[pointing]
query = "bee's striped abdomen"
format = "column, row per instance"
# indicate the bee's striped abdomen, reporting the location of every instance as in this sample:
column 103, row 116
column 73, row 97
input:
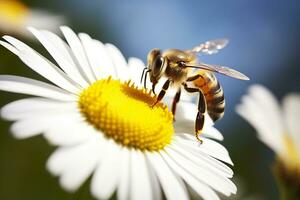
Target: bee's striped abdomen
column 213, row 93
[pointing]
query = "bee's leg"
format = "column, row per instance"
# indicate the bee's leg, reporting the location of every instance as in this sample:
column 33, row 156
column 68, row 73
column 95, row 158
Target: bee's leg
column 200, row 115
column 192, row 78
column 175, row 101
column 201, row 110
column 162, row 92
column 145, row 78
column 143, row 74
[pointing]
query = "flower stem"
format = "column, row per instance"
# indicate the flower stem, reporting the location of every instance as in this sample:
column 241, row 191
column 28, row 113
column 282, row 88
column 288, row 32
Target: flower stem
column 288, row 181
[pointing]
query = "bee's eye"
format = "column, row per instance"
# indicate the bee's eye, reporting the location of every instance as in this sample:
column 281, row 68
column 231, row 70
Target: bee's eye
column 157, row 65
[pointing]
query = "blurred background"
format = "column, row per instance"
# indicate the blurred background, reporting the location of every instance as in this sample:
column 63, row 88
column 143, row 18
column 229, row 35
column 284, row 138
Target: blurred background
column 264, row 44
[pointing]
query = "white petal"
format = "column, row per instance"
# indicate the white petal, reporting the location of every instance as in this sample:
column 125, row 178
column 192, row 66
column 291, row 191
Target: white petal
column 119, row 62
column 216, row 150
column 105, row 179
column 218, row 182
column 203, row 156
column 156, row 187
column 26, row 108
column 140, row 180
column 25, row 129
column 33, row 87
column 202, row 159
column 185, row 97
column 92, row 55
column 268, row 104
column 186, row 111
column 77, row 175
column 172, row 186
column 70, row 133
column 185, row 116
column 208, row 146
column 123, row 189
column 9, row 47
column 60, row 52
column 291, row 107
column 258, row 117
column 186, row 126
column 104, row 61
column 208, row 123
column 74, row 164
column 40, row 123
column 212, row 132
column 65, row 157
column 136, row 67
column 203, row 190
column 42, row 66
column 78, row 52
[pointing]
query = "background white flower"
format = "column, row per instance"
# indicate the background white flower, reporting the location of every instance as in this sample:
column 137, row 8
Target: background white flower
column 84, row 150
column 277, row 126
column 15, row 17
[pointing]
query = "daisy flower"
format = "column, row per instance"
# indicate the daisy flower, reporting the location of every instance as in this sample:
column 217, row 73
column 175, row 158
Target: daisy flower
column 15, row 17
column 100, row 118
column 277, row 127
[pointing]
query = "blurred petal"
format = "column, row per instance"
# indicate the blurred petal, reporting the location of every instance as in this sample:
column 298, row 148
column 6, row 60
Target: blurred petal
column 291, row 108
column 266, row 119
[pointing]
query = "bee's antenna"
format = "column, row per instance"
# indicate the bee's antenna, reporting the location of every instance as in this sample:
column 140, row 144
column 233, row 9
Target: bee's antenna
column 143, row 74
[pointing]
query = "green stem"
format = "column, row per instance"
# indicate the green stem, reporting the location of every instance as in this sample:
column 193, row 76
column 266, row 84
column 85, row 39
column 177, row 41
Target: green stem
column 288, row 181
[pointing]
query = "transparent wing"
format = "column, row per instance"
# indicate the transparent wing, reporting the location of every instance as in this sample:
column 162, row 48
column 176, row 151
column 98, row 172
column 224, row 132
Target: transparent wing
column 211, row 46
column 222, row 70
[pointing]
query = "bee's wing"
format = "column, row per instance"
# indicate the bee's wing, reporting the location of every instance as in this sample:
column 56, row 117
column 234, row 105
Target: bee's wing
column 210, row 47
column 222, row 70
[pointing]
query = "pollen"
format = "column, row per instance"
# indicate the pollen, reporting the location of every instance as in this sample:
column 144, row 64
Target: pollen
column 124, row 113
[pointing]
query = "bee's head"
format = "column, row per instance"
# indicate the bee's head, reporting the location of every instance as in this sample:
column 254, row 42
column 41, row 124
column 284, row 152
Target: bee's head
column 156, row 65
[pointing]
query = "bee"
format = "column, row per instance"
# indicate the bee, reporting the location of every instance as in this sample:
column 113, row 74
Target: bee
column 176, row 65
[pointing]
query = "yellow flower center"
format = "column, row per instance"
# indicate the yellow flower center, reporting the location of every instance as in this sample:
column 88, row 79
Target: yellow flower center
column 13, row 11
column 123, row 112
column 293, row 159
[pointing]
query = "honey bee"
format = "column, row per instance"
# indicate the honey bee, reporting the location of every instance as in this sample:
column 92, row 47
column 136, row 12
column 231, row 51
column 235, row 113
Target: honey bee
column 176, row 65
